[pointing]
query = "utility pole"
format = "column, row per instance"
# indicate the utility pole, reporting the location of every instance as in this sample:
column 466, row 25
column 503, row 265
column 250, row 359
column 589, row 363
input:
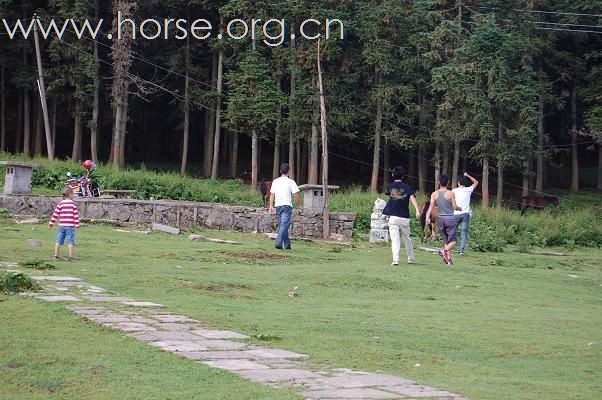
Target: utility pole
column 325, row 212
column 49, row 145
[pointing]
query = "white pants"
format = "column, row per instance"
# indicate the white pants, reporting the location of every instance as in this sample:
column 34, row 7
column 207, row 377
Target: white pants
column 397, row 224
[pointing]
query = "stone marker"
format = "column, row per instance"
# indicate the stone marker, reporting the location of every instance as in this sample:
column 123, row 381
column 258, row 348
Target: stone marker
column 278, row 375
column 57, row 298
column 30, row 221
column 214, row 334
column 142, row 304
column 167, row 229
column 201, row 238
column 350, row 394
column 235, row 365
column 34, row 243
column 56, row 278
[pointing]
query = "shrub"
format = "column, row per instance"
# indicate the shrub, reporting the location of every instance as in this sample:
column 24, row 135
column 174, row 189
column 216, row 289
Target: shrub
column 15, row 282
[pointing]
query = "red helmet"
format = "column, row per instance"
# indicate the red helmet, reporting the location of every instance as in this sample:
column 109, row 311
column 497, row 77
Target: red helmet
column 89, row 165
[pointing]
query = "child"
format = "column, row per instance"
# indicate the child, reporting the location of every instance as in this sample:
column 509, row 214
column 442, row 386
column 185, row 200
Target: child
column 66, row 212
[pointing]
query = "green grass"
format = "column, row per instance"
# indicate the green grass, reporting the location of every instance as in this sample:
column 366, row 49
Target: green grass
column 494, row 326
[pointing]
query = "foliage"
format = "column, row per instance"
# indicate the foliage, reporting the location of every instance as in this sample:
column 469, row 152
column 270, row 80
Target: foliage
column 37, row 264
column 15, row 282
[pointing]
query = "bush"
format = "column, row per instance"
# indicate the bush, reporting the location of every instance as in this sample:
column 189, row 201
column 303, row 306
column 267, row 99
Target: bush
column 15, row 282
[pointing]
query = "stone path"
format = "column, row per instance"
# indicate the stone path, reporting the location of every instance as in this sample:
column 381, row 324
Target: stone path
column 189, row 338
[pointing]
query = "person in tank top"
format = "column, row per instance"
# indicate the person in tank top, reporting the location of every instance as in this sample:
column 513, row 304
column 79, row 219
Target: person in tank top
column 445, row 200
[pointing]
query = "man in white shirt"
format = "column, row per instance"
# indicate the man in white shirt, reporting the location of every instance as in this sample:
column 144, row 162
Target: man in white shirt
column 281, row 204
column 463, row 194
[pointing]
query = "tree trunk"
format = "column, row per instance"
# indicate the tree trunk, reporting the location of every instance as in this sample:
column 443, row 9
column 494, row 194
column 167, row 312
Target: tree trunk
column 276, row 162
column 186, row 111
column 574, row 154
column 485, row 183
column 386, row 164
column 445, row 166
column 38, row 118
column 292, row 125
column 312, row 177
column 2, row 112
column 299, row 160
column 305, row 162
column 116, row 151
column 19, row 135
column 526, row 174
column 500, row 169
column 26, row 123
column 437, row 164
column 121, row 53
column 54, row 123
column 376, row 154
column 456, row 163
column 421, row 168
column 124, row 124
column 96, row 101
column 210, row 124
column 600, row 166
column 76, row 153
column 412, row 168
column 234, row 155
column 540, row 133
column 218, row 111
column 253, row 161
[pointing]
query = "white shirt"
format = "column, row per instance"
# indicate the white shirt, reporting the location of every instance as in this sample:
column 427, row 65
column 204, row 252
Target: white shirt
column 283, row 189
column 463, row 199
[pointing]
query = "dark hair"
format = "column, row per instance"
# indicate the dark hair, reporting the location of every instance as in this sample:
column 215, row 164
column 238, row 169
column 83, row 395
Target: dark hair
column 462, row 180
column 398, row 172
column 284, row 168
column 443, row 180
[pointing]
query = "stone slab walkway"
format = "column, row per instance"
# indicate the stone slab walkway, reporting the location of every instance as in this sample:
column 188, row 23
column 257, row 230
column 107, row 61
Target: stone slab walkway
column 191, row 339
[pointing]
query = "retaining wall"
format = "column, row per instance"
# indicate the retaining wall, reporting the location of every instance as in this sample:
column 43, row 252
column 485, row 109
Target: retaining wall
column 183, row 214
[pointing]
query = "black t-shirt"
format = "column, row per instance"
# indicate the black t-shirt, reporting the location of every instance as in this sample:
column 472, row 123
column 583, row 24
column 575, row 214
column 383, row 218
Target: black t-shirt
column 399, row 199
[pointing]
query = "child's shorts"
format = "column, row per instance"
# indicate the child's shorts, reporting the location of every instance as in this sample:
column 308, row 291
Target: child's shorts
column 68, row 232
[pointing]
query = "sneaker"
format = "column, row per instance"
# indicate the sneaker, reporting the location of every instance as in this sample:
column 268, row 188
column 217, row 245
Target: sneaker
column 56, row 258
column 410, row 261
column 278, row 247
column 395, row 263
column 450, row 261
column 461, row 253
column 72, row 259
column 443, row 255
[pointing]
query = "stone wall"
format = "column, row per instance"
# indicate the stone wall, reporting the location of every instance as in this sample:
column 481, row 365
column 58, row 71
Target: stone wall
column 183, row 214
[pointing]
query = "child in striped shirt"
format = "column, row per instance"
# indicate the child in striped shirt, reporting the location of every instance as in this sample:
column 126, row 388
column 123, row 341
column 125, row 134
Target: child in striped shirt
column 66, row 212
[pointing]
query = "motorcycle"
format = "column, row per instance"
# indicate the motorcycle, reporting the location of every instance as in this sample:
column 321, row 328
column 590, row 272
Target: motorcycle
column 82, row 186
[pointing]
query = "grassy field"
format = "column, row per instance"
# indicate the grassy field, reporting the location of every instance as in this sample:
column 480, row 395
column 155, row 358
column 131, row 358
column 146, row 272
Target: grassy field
column 494, row 326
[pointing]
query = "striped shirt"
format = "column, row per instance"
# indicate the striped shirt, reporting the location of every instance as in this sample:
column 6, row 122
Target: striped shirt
column 66, row 212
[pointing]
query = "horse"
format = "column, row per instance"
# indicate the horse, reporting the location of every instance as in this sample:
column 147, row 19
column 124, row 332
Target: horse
column 264, row 188
column 537, row 202
column 430, row 232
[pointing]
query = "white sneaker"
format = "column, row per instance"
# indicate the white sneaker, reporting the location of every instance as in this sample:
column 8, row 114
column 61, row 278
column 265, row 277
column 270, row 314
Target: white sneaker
column 395, row 263
column 410, row 261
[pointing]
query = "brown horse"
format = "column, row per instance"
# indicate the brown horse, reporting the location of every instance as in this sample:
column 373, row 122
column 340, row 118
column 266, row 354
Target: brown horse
column 537, row 202
column 430, row 232
column 265, row 187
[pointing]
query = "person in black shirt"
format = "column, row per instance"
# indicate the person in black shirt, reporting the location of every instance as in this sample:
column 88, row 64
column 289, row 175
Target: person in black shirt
column 398, row 209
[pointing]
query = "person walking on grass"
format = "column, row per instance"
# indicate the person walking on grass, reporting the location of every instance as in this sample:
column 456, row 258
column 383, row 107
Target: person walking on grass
column 281, row 204
column 66, row 212
column 463, row 193
column 398, row 209
column 448, row 224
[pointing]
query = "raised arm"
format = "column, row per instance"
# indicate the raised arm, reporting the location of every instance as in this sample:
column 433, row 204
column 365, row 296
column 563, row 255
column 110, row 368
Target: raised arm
column 475, row 183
